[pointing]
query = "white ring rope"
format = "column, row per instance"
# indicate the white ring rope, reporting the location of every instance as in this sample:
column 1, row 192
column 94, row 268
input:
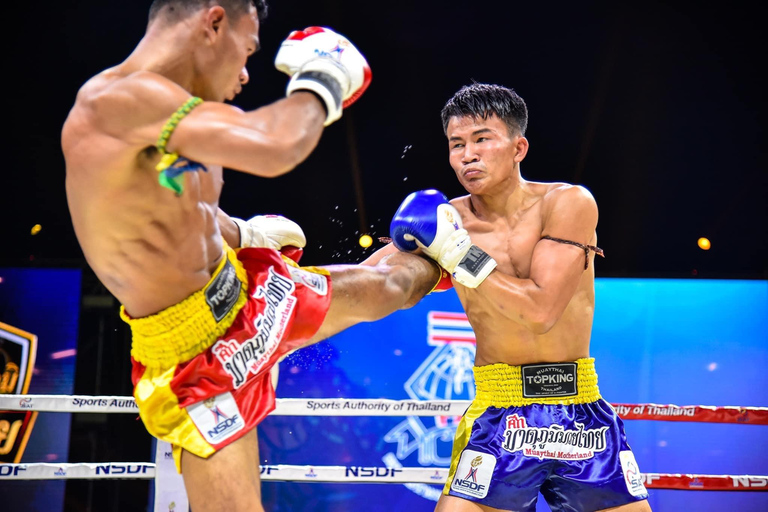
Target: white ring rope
column 348, row 474
column 286, row 473
column 356, row 474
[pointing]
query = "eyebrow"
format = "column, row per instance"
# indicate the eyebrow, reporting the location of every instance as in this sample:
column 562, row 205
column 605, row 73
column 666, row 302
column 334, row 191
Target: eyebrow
column 476, row 132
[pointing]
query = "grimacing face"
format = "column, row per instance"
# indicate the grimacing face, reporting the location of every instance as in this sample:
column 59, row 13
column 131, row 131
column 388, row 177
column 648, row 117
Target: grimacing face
column 482, row 153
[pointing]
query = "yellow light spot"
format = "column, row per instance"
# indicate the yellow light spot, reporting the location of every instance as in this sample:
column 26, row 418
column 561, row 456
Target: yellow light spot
column 704, row 243
column 36, row 229
column 365, row 241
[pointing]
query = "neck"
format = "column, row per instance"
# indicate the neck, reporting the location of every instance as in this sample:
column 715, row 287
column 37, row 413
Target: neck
column 166, row 51
column 505, row 198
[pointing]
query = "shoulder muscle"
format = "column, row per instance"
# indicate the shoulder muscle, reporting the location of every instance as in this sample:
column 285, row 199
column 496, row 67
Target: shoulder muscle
column 569, row 210
column 135, row 107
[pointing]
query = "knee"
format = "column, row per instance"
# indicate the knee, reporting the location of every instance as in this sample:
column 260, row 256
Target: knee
column 397, row 282
column 404, row 282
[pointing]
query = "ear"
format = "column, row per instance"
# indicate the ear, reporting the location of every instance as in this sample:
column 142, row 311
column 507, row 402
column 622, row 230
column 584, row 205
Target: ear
column 521, row 144
column 214, row 19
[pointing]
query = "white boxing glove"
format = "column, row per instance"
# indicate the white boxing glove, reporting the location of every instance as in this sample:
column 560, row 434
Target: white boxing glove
column 270, row 231
column 319, row 60
column 467, row 263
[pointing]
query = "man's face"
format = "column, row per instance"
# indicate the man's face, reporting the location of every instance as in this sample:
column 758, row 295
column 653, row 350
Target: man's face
column 482, row 152
column 237, row 40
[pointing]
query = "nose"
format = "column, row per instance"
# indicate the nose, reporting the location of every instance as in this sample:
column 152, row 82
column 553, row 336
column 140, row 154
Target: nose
column 244, row 76
column 469, row 155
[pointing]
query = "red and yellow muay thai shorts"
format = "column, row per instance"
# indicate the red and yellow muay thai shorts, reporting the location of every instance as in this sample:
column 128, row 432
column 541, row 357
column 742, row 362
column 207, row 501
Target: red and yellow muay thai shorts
column 542, row 428
column 201, row 368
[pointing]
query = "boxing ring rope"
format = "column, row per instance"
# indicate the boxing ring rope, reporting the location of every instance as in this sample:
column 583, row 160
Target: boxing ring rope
column 353, row 474
column 384, row 407
column 369, row 407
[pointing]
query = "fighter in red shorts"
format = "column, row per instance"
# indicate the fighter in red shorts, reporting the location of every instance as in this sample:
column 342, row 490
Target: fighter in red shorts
column 145, row 144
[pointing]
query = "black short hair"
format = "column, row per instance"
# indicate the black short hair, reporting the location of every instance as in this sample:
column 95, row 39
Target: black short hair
column 178, row 9
column 484, row 100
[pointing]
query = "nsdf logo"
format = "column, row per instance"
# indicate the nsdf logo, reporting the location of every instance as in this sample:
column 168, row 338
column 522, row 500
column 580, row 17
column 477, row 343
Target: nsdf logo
column 224, row 427
column 470, row 480
column 124, row 469
column 9, row 470
column 217, row 418
column 750, row 481
column 473, row 474
column 371, row 472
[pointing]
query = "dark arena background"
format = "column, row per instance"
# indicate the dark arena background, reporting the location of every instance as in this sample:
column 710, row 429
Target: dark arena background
column 658, row 108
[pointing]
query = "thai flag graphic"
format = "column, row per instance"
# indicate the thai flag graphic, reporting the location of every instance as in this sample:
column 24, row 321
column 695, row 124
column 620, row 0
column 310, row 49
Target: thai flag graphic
column 446, row 327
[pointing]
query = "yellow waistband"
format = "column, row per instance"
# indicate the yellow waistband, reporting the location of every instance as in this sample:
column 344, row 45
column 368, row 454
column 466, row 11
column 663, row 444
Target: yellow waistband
column 501, row 385
column 184, row 330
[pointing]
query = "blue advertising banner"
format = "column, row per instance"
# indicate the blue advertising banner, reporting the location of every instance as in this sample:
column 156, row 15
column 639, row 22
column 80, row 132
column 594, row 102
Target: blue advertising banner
column 660, row 341
column 43, row 304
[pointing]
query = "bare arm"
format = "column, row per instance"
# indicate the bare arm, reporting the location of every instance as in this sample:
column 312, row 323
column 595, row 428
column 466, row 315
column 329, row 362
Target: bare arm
column 229, row 230
column 377, row 256
column 539, row 301
column 267, row 142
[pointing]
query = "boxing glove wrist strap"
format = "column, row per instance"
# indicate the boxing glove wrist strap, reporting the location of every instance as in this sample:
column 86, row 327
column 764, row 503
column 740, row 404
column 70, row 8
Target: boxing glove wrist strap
column 248, row 236
column 474, row 267
column 318, row 76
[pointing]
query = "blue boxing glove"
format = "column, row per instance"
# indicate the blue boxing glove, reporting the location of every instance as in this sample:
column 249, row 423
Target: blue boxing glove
column 428, row 221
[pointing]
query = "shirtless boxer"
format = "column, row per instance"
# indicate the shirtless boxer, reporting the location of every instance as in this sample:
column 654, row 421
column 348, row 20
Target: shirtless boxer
column 526, row 281
column 144, row 146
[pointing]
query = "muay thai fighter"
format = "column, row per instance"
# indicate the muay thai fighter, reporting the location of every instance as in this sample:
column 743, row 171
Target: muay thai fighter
column 521, row 254
column 144, row 146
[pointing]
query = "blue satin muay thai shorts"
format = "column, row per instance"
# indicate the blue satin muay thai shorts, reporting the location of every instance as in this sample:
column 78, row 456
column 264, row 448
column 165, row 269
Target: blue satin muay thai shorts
column 542, row 428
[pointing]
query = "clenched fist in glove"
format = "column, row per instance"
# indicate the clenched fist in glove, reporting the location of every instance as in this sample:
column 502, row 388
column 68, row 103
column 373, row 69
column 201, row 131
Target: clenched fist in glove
column 319, row 60
column 270, row 231
column 428, row 221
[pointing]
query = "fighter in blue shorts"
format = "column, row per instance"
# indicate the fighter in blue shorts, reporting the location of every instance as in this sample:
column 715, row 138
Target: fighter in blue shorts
column 521, row 255
column 542, row 427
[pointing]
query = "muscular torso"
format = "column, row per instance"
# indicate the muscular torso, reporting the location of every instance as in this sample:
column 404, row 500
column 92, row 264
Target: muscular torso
column 511, row 241
column 150, row 248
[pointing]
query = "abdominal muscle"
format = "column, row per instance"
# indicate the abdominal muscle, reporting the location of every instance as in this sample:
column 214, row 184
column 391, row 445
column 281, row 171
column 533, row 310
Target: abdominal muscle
column 501, row 340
